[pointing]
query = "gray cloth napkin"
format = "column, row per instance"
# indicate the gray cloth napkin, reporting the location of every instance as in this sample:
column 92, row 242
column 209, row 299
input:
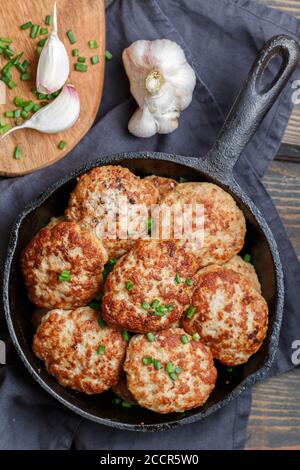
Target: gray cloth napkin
column 220, row 39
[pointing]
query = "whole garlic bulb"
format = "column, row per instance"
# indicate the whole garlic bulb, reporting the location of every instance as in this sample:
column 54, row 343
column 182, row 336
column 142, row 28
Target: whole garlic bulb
column 162, row 83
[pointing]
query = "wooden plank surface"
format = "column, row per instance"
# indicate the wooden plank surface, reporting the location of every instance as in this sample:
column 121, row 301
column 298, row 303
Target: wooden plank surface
column 274, row 421
column 87, row 20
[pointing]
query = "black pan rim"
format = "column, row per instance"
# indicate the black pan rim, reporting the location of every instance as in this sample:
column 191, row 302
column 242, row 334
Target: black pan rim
column 273, row 335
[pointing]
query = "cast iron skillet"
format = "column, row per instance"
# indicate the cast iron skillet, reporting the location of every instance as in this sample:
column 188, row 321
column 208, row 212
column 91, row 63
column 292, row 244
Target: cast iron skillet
column 252, row 104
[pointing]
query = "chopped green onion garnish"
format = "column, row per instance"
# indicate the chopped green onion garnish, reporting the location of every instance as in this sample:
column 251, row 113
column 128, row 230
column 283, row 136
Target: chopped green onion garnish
column 65, row 276
column 170, row 367
column 41, row 96
column 182, row 179
column 21, row 68
column 24, row 114
column 71, row 37
column 36, row 108
column 25, row 64
column 44, row 31
column 9, row 114
column 25, row 77
column 29, row 106
column 81, row 59
column 75, row 52
column 116, row 401
column 34, row 31
column 93, row 44
column 173, row 376
column 157, row 364
column 5, row 129
column 26, row 25
column 39, row 50
column 129, row 285
column 145, row 305
column 125, row 336
column 191, row 312
column 6, row 40
column 95, row 59
column 147, row 360
column 108, row 55
column 80, row 67
column 10, row 83
column 19, row 101
column 177, row 278
column 170, row 307
column 160, row 311
column 17, row 113
column 196, row 336
column 150, row 337
column 149, row 224
column 247, row 258
column 178, row 370
column 189, row 281
column 18, row 152
column 126, row 404
column 48, row 20
column 42, row 42
column 16, row 60
column 62, row 144
column 184, row 339
column 101, row 349
column 155, row 303
column 101, row 322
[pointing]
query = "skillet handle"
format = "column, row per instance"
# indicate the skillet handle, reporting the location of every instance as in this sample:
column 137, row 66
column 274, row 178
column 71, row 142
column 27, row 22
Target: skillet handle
column 253, row 102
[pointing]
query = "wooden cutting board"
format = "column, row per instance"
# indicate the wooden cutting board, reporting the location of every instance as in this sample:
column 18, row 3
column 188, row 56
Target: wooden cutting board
column 87, row 20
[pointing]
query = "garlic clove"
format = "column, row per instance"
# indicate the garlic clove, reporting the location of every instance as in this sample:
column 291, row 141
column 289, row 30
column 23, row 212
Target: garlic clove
column 142, row 123
column 162, row 83
column 57, row 116
column 54, row 65
column 167, row 122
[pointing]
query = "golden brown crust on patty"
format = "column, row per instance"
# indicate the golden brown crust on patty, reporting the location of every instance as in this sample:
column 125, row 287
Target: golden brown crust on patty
column 68, row 342
column 151, row 267
column 93, row 199
column 231, row 317
column 224, row 222
column 163, row 185
column 154, row 389
column 240, row 266
column 59, row 247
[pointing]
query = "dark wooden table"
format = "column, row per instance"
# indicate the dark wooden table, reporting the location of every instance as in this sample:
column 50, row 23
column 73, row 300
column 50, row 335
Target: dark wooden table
column 274, row 421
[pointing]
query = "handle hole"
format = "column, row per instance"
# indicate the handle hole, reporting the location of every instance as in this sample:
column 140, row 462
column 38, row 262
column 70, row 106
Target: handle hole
column 270, row 74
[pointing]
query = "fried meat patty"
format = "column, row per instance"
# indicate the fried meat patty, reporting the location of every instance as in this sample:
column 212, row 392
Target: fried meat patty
column 224, row 222
column 247, row 269
column 62, row 266
column 149, row 289
column 100, row 194
column 228, row 313
column 149, row 367
column 78, row 352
